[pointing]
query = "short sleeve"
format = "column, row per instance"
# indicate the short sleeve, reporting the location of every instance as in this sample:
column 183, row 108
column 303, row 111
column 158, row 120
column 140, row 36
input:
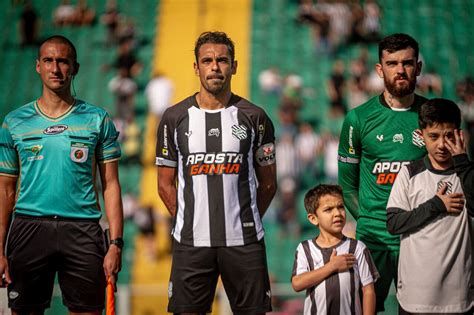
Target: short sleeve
column 108, row 147
column 265, row 141
column 300, row 264
column 166, row 152
column 368, row 273
column 9, row 164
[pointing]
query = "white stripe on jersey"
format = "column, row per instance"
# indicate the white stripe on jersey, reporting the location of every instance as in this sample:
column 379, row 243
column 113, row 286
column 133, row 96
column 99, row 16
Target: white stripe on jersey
column 233, row 228
column 181, row 203
column 253, row 195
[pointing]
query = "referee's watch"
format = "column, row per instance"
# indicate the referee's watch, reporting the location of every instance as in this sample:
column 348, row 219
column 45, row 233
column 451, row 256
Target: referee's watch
column 117, row 242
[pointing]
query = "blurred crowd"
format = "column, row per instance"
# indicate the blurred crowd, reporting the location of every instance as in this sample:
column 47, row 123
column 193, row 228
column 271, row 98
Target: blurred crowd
column 306, row 148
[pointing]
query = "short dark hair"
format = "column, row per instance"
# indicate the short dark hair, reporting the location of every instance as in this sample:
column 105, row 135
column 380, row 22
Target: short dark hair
column 396, row 42
column 59, row 39
column 438, row 111
column 312, row 197
column 215, row 38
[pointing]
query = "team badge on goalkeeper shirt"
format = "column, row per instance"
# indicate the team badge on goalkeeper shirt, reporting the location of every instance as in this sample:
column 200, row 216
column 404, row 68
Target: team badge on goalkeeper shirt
column 79, row 152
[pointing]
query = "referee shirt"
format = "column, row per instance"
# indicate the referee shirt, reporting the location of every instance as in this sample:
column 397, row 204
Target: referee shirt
column 215, row 153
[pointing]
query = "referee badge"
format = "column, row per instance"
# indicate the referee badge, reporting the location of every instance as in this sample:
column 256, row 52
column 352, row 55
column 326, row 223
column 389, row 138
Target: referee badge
column 79, row 152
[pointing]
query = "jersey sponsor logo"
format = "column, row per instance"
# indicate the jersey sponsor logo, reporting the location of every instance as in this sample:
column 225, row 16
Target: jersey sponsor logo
column 261, row 131
column 164, row 150
column 239, row 131
column 13, row 295
column 170, row 289
column 54, row 130
column 214, row 132
column 214, row 163
column 380, row 138
column 35, row 151
column 351, row 145
column 266, row 154
column 398, row 138
column 248, row 224
column 386, row 172
column 79, row 152
column 417, row 139
column 449, row 188
column 188, row 133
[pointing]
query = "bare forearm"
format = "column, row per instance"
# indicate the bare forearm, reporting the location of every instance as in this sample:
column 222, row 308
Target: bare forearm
column 368, row 299
column 264, row 197
column 7, row 203
column 114, row 209
column 168, row 196
column 311, row 278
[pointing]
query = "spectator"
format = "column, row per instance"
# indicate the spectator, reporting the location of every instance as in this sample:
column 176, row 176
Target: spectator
column 159, row 94
column 64, row 14
column 29, row 22
column 84, row 14
column 270, row 81
column 371, row 22
column 465, row 92
column 111, row 19
column 337, row 84
column 124, row 89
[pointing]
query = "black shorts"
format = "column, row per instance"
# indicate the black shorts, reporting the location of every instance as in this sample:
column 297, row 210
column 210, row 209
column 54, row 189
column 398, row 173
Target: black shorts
column 38, row 248
column 243, row 270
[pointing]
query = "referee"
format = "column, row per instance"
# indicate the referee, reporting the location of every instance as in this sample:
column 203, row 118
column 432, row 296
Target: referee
column 50, row 151
column 220, row 149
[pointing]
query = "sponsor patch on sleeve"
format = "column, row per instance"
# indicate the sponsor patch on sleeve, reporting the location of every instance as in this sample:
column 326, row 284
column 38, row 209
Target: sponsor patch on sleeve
column 266, row 154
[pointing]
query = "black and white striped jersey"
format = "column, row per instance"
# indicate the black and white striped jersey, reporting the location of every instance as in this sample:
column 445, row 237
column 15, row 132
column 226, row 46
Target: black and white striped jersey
column 338, row 294
column 216, row 152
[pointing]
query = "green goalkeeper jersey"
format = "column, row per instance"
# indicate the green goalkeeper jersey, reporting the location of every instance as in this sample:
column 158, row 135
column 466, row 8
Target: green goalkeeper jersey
column 375, row 142
column 56, row 158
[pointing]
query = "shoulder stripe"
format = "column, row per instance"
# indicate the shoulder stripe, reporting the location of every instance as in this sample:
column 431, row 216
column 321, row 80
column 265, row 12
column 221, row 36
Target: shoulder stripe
column 352, row 248
column 347, row 159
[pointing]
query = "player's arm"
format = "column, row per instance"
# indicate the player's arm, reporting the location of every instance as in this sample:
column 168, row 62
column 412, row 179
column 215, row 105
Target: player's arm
column 167, row 187
column 267, row 186
column 400, row 218
column 7, row 203
column 349, row 153
column 464, row 168
column 312, row 278
column 368, row 299
column 114, row 211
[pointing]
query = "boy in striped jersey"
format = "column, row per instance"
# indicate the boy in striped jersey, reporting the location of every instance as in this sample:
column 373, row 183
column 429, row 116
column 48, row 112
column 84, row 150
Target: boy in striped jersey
column 331, row 266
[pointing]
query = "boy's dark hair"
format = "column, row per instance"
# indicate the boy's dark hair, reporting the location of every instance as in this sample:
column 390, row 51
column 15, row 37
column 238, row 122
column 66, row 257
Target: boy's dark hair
column 438, row 111
column 59, row 39
column 215, row 38
column 396, row 42
column 312, row 197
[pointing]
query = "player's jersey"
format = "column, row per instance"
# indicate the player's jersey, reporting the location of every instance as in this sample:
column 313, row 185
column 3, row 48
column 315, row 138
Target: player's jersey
column 215, row 153
column 435, row 267
column 338, row 294
column 56, row 159
column 375, row 143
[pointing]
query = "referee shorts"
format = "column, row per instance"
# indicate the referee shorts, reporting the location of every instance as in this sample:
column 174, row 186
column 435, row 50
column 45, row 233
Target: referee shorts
column 243, row 270
column 40, row 247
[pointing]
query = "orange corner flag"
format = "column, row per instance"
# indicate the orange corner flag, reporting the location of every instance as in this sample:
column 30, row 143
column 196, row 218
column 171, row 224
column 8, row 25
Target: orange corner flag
column 110, row 307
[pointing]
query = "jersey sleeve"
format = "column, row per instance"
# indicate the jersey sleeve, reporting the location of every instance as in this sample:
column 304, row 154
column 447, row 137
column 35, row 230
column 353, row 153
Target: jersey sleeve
column 368, row 273
column 9, row 164
column 166, row 150
column 349, row 154
column 465, row 170
column 402, row 217
column 300, row 264
column 108, row 147
column 265, row 141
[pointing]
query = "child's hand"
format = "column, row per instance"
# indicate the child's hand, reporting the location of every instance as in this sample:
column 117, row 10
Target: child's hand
column 342, row 262
column 454, row 203
column 458, row 147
